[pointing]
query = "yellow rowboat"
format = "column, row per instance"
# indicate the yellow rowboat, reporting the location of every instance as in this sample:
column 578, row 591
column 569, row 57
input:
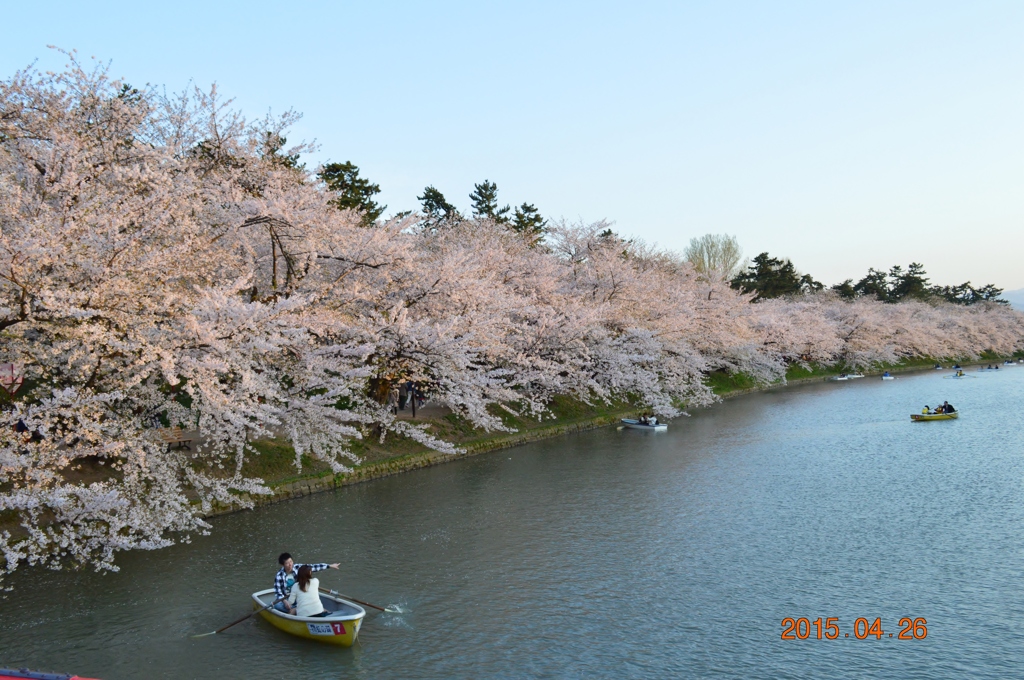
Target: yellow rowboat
column 934, row 416
column 340, row 627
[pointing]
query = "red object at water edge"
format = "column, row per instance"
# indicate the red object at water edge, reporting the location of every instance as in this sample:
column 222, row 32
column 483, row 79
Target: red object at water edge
column 23, row 673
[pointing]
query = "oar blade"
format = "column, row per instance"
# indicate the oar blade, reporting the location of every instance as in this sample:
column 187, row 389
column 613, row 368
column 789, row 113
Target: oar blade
column 237, row 621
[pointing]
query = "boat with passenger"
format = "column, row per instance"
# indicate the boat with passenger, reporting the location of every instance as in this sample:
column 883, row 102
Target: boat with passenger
column 641, row 425
column 339, row 626
column 919, row 417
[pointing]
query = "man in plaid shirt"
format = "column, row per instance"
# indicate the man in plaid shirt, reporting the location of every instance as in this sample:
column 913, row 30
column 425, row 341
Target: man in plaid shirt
column 287, row 576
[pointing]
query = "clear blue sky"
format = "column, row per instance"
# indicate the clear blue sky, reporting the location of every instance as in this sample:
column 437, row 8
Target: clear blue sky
column 842, row 135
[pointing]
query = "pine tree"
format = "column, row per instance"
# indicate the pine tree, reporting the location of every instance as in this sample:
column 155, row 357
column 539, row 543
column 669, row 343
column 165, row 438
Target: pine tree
column 353, row 192
column 771, row 277
column 875, row 284
column 437, row 209
column 273, row 143
column 485, row 203
column 908, row 285
column 966, row 294
column 845, row 289
column 528, row 222
column 900, row 286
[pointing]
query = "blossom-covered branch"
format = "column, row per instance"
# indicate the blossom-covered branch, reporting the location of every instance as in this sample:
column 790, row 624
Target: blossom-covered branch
column 166, row 263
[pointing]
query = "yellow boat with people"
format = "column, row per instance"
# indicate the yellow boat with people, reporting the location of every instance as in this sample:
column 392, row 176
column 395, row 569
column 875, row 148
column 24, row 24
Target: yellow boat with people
column 339, row 627
column 934, row 416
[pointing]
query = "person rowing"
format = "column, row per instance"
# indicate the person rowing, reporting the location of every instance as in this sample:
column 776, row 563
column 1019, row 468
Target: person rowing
column 946, row 408
column 288, row 575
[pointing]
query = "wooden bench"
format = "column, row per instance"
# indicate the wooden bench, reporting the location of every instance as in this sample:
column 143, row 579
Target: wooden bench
column 175, row 435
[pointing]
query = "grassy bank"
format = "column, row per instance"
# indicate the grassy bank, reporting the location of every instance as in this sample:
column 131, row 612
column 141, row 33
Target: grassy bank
column 275, row 462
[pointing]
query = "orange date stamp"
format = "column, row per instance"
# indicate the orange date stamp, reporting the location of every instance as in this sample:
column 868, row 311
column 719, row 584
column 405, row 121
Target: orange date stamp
column 803, row 629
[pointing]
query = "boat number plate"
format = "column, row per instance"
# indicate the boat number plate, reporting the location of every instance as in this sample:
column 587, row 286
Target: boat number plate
column 326, row 628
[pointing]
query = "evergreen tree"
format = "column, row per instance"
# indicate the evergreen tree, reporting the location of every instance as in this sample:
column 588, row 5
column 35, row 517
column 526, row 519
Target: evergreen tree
column 912, row 284
column 437, row 209
column 966, row 294
column 272, row 145
column 876, row 283
column 528, row 222
column 845, row 289
column 958, row 295
column 353, row 192
column 908, row 285
column 771, row 277
column 988, row 293
column 485, row 203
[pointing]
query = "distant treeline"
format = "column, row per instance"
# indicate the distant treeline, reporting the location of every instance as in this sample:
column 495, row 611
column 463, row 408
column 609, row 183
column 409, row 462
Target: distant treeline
column 766, row 276
column 773, row 277
column 356, row 193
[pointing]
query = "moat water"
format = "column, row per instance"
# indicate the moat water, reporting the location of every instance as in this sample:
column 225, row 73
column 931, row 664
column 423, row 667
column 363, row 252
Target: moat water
column 612, row 553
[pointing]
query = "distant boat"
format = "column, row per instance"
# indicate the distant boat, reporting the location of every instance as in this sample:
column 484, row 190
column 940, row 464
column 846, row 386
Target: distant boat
column 848, row 376
column 637, row 425
column 920, row 417
column 888, row 377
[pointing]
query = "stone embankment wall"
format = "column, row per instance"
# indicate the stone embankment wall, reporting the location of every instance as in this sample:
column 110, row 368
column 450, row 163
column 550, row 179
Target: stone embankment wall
column 393, row 466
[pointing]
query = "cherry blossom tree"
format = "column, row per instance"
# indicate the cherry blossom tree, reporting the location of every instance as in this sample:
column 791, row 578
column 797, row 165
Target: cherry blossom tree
column 165, row 262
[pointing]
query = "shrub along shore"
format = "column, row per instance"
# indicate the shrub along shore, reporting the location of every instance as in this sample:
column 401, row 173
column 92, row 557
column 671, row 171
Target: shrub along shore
column 397, row 455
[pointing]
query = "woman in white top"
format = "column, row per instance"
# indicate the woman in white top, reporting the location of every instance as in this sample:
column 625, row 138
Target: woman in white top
column 304, row 599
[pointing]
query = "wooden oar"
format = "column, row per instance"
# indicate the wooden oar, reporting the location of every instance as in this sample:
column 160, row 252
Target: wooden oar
column 365, row 604
column 221, row 630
